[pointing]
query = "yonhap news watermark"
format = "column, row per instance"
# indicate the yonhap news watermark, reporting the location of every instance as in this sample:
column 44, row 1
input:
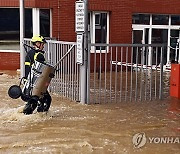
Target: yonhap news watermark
column 140, row 139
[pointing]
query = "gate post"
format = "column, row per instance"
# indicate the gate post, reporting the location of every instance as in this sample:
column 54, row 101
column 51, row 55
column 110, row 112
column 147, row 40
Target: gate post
column 83, row 67
column 22, row 55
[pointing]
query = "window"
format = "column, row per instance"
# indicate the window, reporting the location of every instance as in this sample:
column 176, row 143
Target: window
column 99, row 29
column 160, row 19
column 45, row 22
column 141, row 19
column 10, row 27
column 161, row 29
column 97, row 19
column 174, row 36
column 28, row 23
column 175, row 20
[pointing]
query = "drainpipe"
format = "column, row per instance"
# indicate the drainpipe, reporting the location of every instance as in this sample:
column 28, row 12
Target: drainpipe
column 22, row 55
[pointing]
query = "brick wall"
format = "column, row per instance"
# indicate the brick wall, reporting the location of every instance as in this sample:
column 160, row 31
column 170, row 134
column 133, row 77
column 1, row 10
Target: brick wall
column 156, row 6
column 120, row 16
column 64, row 18
column 9, row 61
column 28, row 3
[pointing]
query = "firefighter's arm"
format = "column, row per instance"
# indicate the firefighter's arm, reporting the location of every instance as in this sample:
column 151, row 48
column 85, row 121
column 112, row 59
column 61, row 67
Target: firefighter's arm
column 27, row 70
column 39, row 57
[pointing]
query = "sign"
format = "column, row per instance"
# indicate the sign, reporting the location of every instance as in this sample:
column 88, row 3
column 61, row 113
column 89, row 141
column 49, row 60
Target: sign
column 79, row 55
column 80, row 17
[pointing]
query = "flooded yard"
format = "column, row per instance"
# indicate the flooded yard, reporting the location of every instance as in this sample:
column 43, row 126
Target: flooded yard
column 70, row 127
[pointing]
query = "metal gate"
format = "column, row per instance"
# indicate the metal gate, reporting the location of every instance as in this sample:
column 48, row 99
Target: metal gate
column 116, row 72
column 66, row 80
column 127, row 73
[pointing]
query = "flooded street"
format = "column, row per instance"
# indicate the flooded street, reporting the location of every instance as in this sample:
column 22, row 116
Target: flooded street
column 70, row 127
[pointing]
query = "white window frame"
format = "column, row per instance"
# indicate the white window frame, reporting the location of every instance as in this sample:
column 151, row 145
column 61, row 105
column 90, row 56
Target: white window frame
column 168, row 27
column 92, row 31
column 51, row 23
column 36, row 21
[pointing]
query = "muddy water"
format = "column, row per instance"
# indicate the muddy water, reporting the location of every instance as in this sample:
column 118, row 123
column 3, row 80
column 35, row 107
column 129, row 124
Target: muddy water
column 70, row 127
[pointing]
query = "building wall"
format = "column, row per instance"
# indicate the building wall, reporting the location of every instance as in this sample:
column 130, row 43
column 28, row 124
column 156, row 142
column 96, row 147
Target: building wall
column 63, row 18
column 156, row 6
column 28, row 3
column 120, row 16
column 9, row 61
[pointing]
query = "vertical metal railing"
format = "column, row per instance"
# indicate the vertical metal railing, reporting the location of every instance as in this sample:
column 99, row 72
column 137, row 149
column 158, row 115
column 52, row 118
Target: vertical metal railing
column 117, row 72
column 66, row 80
column 121, row 73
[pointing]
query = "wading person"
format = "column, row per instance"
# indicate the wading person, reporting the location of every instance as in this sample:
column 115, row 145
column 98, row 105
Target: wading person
column 36, row 54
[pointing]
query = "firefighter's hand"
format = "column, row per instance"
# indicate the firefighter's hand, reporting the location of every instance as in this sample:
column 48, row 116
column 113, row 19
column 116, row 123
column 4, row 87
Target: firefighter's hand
column 24, row 80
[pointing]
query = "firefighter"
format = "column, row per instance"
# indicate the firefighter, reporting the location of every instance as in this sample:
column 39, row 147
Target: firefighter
column 37, row 54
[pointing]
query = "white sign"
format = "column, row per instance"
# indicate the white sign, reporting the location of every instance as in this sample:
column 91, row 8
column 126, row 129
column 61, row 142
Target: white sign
column 80, row 19
column 79, row 56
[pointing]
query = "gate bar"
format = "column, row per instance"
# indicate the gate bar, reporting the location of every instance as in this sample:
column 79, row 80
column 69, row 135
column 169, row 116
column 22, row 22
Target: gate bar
column 64, row 56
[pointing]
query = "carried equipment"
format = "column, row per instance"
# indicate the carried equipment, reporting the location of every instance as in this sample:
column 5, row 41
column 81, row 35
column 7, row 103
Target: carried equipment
column 37, row 82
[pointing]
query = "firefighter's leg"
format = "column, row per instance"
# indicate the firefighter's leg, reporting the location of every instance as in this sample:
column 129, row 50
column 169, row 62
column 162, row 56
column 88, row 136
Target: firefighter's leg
column 45, row 103
column 31, row 105
column 40, row 106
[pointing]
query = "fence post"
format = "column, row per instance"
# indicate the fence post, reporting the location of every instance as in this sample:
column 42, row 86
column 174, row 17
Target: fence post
column 161, row 73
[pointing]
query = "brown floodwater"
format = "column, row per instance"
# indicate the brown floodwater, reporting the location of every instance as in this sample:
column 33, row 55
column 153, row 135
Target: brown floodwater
column 70, row 127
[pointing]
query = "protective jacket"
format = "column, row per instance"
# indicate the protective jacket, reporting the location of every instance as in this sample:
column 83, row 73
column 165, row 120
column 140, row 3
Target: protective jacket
column 32, row 55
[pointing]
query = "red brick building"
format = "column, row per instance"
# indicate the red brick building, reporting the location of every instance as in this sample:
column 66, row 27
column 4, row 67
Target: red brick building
column 117, row 21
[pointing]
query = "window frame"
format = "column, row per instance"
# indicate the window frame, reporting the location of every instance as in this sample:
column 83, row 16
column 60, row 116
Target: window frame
column 169, row 27
column 92, row 31
column 12, row 45
column 35, row 26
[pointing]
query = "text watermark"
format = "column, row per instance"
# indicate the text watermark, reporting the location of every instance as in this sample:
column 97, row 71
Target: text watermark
column 140, row 139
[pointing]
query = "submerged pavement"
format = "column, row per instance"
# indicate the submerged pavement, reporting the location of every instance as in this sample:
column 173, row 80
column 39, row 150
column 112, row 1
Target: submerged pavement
column 70, row 127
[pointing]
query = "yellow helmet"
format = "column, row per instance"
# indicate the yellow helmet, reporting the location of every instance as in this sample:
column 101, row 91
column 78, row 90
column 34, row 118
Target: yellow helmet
column 38, row 38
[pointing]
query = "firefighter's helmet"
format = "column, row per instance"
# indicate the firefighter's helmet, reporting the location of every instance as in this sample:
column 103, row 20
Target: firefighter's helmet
column 38, row 38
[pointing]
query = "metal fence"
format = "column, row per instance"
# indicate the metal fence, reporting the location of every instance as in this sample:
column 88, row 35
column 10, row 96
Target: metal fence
column 66, row 80
column 116, row 72
column 127, row 73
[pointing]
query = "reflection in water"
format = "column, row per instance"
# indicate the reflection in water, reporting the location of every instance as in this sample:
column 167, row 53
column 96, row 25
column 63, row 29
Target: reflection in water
column 70, row 127
column 130, row 86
